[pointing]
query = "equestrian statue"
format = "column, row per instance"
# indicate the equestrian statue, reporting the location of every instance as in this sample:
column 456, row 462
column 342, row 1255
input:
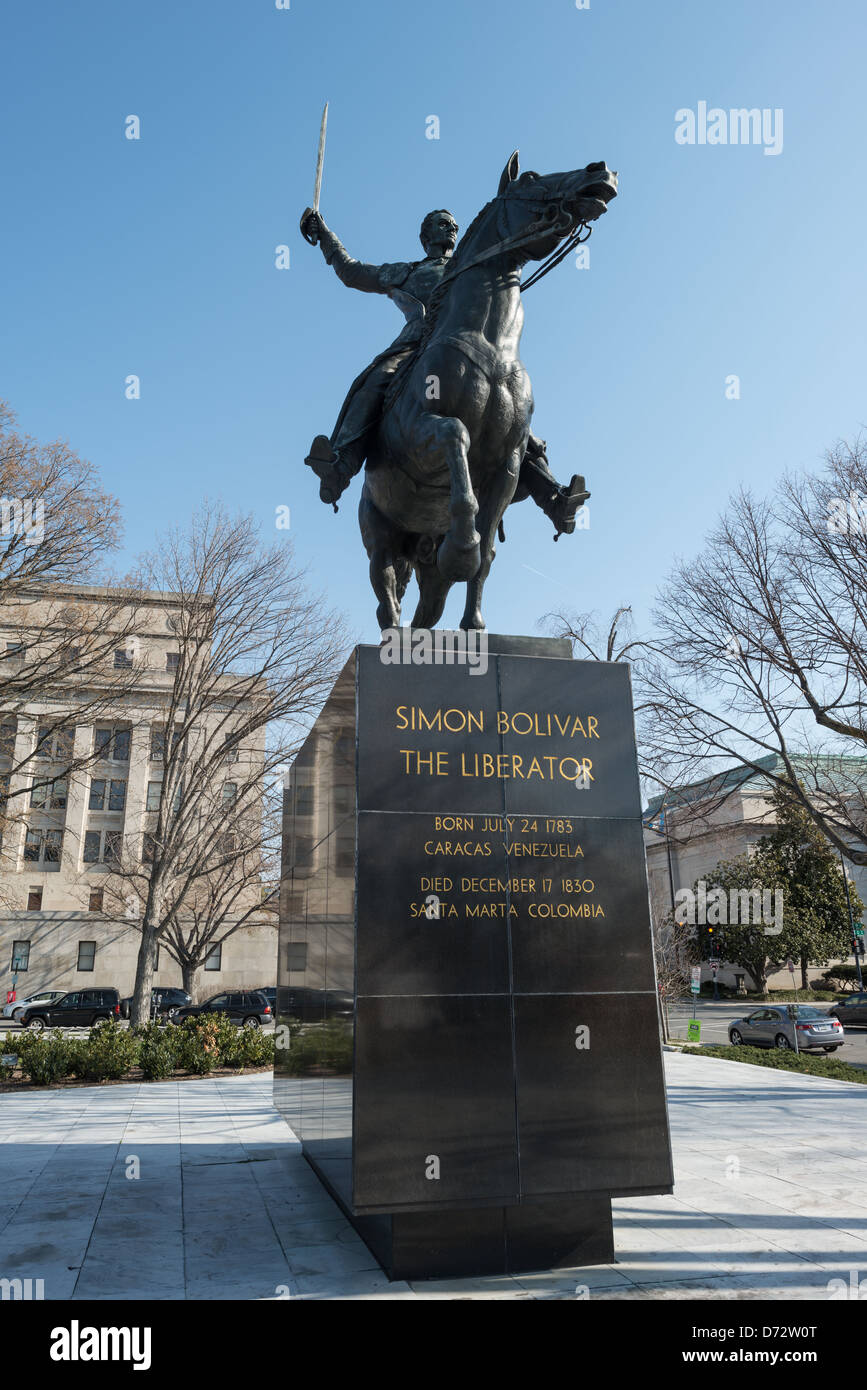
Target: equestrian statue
column 440, row 420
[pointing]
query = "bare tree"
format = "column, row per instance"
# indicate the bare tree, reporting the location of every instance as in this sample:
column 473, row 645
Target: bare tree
column 760, row 656
column 57, row 522
column 257, row 655
column 63, row 619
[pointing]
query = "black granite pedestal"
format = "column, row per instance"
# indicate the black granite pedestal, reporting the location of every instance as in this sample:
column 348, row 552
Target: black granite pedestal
column 470, row 1050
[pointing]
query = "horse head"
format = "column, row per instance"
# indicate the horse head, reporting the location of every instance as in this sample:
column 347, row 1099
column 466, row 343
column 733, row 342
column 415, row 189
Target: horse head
column 555, row 205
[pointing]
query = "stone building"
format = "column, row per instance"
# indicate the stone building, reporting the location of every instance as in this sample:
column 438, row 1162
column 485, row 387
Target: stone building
column 61, row 844
column 716, row 820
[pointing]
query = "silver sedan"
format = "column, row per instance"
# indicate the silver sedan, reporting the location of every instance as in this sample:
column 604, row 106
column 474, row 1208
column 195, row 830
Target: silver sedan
column 775, row 1027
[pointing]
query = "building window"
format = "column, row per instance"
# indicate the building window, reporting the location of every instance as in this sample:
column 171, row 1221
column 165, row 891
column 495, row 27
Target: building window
column 172, row 661
column 101, row 846
column 230, row 754
column 15, row 648
column 296, row 955
column 214, row 959
column 44, row 797
column 123, row 659
column 43, row 846
column 86, row 955
column 97, row 794
column 117, row 796
column 149, row 849
column 52, row 846
column 111, row 744
column 158, row 742
column 7, row 739
column 304, row 799
column 303, row 852
column 21, row 953
column 155, row 791
column 54, row 743
column 345, row 852
column 226, row 846
column 34, row 899
column 230, row 791
column 95, row 904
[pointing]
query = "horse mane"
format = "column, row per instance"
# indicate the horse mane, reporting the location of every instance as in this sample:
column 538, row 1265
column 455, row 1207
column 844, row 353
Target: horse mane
column 445, row 284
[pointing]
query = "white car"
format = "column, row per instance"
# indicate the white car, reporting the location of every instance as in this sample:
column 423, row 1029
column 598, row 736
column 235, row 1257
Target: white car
column 43, row 996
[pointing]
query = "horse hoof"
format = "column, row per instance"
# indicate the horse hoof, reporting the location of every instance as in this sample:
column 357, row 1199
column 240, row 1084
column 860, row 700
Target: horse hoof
column 457, row 564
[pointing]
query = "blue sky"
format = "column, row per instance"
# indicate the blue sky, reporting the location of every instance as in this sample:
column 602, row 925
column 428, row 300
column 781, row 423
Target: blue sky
column 156, row 257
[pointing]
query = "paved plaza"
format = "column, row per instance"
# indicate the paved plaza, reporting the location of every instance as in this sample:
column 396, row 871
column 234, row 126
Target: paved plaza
column 770, row 1199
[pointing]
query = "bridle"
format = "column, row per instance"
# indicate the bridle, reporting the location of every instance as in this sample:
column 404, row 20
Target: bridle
column 543, row 226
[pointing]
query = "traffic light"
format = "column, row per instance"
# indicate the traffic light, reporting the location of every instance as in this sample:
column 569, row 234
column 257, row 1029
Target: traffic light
column 710, row 942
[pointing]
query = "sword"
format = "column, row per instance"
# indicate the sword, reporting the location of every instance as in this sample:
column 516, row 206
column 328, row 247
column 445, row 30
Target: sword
column 317, row 189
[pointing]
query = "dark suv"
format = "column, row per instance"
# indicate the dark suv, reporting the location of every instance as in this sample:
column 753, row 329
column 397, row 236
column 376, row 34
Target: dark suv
column 248, row 1007
column 80, row 1009
column 163, row 1000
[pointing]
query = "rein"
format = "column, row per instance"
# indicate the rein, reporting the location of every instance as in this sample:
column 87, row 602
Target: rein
column 512, row 243
column 557, row 256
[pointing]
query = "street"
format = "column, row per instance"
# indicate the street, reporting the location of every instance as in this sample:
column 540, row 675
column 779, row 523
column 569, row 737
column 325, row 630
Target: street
column 716, row 1017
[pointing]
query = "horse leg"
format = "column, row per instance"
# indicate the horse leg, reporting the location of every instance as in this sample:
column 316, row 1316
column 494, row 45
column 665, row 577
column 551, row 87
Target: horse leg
column 433, row 591
column 389, row 571
column 448, row 440
column 489, row 518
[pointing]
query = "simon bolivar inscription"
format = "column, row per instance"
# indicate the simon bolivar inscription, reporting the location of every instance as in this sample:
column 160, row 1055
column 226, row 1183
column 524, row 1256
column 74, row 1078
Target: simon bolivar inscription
column 538, row 724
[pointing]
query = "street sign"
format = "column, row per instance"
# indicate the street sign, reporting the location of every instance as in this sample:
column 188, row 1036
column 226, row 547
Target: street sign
column 693, row 1031
column 790, row 966
column 859, row 929
column 695, row 987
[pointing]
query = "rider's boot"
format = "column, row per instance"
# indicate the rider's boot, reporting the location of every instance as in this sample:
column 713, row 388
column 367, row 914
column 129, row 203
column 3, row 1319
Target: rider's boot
column 559, row 503
column 335, row 468
column 564, row 504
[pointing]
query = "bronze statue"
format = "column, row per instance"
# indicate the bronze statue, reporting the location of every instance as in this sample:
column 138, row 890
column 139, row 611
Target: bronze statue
column 442, row 416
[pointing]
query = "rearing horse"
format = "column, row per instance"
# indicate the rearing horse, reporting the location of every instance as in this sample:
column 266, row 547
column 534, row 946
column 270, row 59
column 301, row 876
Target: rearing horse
column 443, row 464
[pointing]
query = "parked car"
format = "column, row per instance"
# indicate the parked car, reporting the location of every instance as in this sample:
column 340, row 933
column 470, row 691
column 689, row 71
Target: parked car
column 315, row 1005
column 851, row 1011
column 79, row 1009
column 270, row 993
column 42, row 996
column 774, row 1028
column 248, row 1007
column 163, row 999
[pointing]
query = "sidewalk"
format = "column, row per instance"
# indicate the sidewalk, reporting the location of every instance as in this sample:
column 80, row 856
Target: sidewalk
column 770, row 1199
